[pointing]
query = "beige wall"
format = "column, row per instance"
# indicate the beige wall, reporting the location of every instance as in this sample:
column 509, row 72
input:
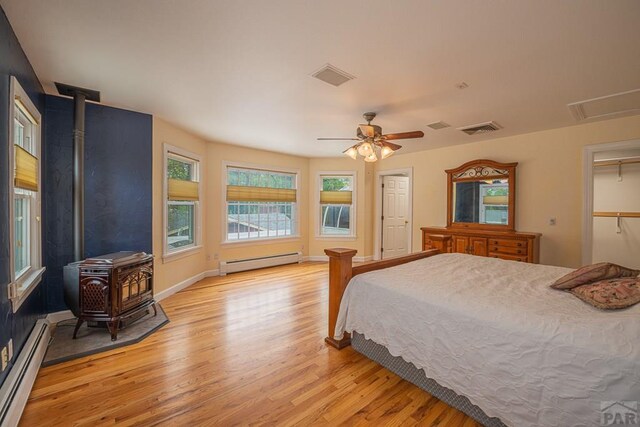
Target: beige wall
column 217, row 154
column 549, row 185
column 214, row 157
column 175, row 271
column 364, row 198
column 550, row 181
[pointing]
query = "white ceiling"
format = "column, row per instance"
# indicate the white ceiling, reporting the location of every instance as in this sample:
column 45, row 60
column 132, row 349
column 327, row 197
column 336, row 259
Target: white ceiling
column 239, row 71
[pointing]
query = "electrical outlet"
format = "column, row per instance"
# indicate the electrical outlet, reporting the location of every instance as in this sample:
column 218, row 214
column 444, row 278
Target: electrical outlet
column 552, row 221
column 215, row 256
column 208, row 257
column 5, row 358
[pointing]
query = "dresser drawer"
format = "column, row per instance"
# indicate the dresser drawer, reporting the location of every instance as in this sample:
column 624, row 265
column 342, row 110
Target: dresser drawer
column 509, row 250
column 508, row 242
column 508, row 257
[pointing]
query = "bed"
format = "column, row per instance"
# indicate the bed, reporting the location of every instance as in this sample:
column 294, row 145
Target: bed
column 489, row 331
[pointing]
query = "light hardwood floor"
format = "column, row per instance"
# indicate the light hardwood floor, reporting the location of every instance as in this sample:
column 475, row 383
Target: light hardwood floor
column 245, row 349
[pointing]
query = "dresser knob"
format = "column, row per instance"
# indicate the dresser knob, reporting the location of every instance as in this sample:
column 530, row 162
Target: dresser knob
column 519, row 244
column 519, row 251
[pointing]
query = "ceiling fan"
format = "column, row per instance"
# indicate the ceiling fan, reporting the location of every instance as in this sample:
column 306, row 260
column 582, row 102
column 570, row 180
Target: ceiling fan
column 372, row 143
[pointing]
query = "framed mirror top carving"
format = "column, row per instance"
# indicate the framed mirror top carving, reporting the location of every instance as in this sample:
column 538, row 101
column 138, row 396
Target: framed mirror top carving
column 481, row 195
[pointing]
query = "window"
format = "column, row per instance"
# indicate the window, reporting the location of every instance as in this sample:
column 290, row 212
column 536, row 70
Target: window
column 336, row 206
column 182, row 214
column 261, row 204
column 24, row 188
column 494, row 203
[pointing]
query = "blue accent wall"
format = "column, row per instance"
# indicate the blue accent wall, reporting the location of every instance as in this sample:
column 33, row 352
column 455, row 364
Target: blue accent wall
column 118, row 194
column 14, row 62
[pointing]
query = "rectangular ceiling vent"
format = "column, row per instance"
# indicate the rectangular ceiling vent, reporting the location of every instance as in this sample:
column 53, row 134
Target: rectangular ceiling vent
column 332, row 75
column 618, row 104
column 438, row 125
column 481, row 128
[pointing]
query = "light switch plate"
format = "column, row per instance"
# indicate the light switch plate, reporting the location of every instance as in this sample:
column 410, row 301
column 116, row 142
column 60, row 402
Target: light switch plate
column 4, row 356
column 10, row 346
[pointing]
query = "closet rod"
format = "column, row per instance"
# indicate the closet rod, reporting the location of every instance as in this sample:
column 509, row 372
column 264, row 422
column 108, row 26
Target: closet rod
column 618, row 214
column 616, row 162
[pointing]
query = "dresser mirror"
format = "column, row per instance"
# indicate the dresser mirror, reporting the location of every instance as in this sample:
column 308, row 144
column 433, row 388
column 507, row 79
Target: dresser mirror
column 481, row 195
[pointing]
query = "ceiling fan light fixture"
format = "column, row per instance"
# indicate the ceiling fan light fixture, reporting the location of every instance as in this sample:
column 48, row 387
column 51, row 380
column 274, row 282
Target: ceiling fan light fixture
column 365, row 149
column 371, row 157
column 386, row 152
column 372, row 143
column 351, row 152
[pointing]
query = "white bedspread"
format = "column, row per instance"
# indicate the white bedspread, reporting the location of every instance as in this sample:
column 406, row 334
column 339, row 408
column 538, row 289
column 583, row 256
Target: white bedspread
column 494, row 331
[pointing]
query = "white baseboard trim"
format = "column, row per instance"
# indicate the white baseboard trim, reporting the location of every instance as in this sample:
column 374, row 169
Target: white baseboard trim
column 316, row 258
column 236, row 266
column 212, row 273
column 185, row 284
column 18, row 384
column 324, row 258
column 179, row 286
column 59, row 316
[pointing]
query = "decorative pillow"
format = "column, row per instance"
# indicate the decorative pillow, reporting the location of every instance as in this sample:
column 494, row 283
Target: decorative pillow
column 610, row 294
column 593, row 273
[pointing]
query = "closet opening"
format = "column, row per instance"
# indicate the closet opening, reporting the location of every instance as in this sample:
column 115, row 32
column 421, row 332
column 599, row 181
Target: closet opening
column 611, row 219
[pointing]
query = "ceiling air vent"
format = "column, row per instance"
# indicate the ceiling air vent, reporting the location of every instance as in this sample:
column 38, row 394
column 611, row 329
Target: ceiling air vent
column 618, row 104
column 332, row 75
column 438, row 125
column 481, row 128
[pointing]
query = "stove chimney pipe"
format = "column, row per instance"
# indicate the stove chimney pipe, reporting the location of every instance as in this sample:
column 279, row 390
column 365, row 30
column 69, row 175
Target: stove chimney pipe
column 80, row 95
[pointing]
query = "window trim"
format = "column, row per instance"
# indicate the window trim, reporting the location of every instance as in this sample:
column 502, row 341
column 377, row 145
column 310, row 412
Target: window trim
column 170, row 255
column 225, row 207
column 353, row 235
column 21, row 287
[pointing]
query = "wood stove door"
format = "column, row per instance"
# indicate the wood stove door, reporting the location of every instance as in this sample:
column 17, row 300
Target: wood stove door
column 94, row 295
column 134, row 286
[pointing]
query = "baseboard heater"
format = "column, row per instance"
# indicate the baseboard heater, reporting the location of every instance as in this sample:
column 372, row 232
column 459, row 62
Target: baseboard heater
column 17, row 386
column 262, row 262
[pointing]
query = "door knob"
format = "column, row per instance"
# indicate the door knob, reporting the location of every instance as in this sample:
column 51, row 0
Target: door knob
column 406, row 222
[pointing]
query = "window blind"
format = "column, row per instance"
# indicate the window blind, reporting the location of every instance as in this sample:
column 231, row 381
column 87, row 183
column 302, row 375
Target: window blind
column 336, row 197
column 238, row 193
column 26, row 171
column 184, row 191
column 495, row 200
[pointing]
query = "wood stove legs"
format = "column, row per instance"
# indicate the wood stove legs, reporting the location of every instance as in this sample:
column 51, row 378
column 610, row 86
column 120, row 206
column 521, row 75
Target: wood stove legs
column 113, row 329
column 111, row 326
column 78, row 324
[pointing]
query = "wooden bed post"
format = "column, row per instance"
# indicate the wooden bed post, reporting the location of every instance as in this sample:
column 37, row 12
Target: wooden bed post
column 340, row 266
column 341, row 271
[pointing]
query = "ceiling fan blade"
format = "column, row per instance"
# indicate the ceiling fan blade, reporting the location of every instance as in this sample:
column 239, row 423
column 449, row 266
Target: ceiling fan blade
column 391, row 145
column 338, row 139
column 367, row 130
column 403, row 135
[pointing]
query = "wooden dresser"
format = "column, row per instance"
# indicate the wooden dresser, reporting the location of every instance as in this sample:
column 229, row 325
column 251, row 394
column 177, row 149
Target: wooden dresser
column 509, row 245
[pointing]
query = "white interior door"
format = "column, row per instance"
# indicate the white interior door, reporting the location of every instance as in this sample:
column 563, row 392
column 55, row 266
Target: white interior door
column 395, row 216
